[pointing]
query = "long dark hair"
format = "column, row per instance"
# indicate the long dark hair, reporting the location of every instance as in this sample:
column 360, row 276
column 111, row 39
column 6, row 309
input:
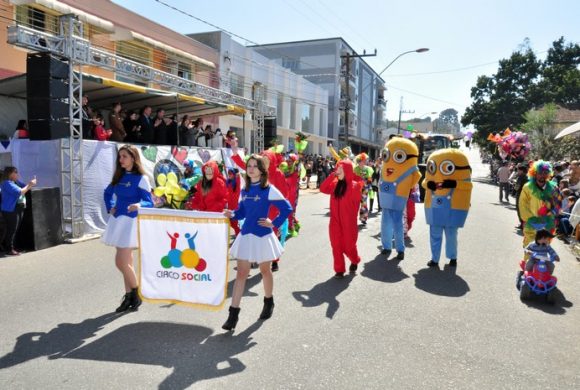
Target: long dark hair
column 21, row 124
column 137, row 167
column 263, row 171
column 340, row 188
column 206, row 184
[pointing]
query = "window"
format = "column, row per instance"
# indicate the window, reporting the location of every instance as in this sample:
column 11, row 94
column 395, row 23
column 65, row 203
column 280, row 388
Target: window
column 290, row 63
column 306, row 118
column 293, row 113
column 184, row 70
column 136, row 53
column 37, row 19
column 237, row 84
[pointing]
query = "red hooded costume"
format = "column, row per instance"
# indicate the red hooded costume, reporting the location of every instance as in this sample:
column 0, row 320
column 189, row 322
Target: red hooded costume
column 217, row 196
column 343, row 228
column 293, row 181
column 234, row 187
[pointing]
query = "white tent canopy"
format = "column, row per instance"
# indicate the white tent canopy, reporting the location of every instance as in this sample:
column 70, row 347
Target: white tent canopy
column 569, row 130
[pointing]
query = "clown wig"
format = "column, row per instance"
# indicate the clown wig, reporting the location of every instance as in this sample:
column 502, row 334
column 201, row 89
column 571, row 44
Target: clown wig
column 539, row 167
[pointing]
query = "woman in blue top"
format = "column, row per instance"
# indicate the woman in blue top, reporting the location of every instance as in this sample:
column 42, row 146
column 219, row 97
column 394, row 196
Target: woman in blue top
column 256, row 241
column 132, row 191
column 13, row 205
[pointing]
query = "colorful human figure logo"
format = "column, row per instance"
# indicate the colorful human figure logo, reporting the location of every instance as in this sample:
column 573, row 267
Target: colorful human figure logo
column 188, row 257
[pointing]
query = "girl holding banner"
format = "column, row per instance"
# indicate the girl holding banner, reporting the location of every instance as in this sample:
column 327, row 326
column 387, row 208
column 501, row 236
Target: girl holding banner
column 256, row 241
column 132, row 191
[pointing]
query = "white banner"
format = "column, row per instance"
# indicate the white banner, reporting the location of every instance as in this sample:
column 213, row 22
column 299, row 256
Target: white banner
column 183, row 257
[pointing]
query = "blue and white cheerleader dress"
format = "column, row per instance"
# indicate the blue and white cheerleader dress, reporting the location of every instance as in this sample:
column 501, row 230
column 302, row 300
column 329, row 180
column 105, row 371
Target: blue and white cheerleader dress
column 257, row 243
column 121, row 230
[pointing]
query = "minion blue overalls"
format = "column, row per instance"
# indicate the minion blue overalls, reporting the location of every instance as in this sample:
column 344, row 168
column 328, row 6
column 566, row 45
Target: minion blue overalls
column 393, row 206
column 442, row 218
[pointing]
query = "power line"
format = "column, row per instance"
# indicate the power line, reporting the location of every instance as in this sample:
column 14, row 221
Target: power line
column 426, row 97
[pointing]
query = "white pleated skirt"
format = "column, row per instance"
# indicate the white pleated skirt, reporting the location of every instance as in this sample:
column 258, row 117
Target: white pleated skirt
column 256, row 249
column 121, row 232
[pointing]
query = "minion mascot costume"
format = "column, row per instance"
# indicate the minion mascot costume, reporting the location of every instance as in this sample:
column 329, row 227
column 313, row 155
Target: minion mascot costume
column 399, row 173
column 447, row 199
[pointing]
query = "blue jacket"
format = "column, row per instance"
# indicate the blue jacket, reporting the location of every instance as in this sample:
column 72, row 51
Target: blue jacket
column 255, row 203
column 132, row 188
column 11, row 191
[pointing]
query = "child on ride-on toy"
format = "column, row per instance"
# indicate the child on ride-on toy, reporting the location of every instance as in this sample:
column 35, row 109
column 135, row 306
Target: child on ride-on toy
column 541, row 249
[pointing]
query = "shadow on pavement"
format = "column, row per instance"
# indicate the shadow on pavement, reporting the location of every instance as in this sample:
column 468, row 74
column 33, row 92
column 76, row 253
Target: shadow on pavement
column 191, row 350
column 558, row 308
column 383, row 270
column 251, row 282
column 441, row 282
column 55, row 343
column 325, row 292
column 484, row 180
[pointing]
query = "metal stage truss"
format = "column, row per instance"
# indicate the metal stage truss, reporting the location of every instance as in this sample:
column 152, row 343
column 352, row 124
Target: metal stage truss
column 72, row 47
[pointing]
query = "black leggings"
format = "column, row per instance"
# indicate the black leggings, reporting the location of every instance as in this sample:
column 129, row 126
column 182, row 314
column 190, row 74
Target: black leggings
column 12, row 220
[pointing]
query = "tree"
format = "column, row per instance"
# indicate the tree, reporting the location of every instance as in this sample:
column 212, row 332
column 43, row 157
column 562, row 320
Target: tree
column 522, row 83
column 448, row 121
column 560, row 75
column 501, row 100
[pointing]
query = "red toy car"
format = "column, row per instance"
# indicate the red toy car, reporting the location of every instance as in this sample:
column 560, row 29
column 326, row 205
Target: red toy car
column 538, row 282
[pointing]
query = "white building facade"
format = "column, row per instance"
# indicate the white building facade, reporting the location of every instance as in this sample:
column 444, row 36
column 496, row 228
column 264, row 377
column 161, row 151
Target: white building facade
column 356, row 88
column 300, row 105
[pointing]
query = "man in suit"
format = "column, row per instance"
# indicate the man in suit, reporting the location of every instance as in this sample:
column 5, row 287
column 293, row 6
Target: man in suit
column 147, row 130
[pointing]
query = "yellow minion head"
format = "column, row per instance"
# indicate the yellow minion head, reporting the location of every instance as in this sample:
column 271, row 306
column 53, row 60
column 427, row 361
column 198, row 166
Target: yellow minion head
column 399, row 155
column 448, row 169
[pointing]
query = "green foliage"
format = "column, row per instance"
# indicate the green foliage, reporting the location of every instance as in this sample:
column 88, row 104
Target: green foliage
column 539, row 124
column 522, row 83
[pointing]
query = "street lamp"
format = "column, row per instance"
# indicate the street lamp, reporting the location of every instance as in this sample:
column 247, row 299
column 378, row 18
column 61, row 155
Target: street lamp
column 421, row 50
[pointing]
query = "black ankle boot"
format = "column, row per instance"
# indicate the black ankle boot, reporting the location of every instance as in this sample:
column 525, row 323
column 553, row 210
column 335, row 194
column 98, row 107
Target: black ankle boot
column 268, row 308
column 135, row 299
column 232, row 320
column 125, row 303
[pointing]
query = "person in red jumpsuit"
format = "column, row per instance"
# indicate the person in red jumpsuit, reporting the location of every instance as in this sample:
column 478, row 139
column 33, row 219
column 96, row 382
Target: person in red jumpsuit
column 345, row 198
column 211, row 192
column 233, row 185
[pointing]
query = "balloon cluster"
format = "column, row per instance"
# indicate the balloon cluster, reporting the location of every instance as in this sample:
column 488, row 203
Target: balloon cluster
column 410, row 132
column 512, row 144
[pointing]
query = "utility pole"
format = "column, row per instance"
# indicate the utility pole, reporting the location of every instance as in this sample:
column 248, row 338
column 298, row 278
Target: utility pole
column 348, row 57
column 401, row 111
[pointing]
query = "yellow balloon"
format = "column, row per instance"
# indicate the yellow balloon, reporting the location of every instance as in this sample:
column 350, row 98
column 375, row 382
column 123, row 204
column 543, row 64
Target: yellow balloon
column 172, row 177
column 159, row 191
column 161, row 179
column 189, row 258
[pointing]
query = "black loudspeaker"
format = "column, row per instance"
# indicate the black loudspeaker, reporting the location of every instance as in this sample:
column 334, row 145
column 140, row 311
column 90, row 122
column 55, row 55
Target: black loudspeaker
column 46, row 88
column 47, row 96
column 41, row 225
column 270, row 132
column 43, row 108
column 43, row 65
column 41, row 130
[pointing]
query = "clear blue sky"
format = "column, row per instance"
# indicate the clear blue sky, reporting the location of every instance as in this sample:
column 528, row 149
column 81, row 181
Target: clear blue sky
column 459, row 34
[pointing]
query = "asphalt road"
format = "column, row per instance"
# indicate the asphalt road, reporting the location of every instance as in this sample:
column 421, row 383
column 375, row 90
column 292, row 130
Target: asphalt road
column 394, row 325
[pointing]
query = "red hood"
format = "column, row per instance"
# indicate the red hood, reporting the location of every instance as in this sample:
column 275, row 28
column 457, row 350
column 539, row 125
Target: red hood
column 274, row 162
column 348, row 169
column 216, row 170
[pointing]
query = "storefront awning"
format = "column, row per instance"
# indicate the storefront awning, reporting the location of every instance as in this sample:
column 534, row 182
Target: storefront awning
column 103, row 92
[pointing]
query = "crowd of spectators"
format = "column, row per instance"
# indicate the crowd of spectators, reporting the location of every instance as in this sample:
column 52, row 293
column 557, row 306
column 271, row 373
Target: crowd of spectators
column 147, row 128
column 566, row 176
